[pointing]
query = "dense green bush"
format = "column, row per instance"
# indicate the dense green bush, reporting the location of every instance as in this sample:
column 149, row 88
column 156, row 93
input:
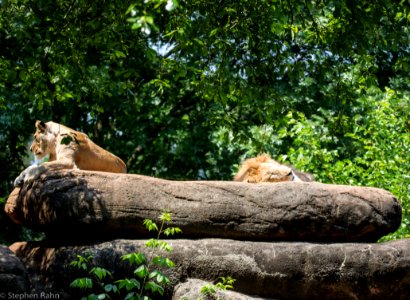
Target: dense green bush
column 187, row 89
column 373, row 151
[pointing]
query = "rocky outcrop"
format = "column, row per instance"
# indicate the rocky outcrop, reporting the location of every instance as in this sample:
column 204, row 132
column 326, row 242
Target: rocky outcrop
column 291, row 240
column 281, row 270
column 14, row 278
column 80, row 204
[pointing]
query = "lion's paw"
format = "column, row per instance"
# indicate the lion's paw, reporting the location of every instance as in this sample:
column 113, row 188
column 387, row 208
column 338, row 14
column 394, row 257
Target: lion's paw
column 28, row 175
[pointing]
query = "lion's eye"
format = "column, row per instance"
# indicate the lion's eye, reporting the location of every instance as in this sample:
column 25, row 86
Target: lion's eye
column 290, row 173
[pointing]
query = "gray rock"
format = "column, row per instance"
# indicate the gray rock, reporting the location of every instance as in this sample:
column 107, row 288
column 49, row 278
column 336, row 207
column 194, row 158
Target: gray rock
column 76, row 204
column 269, row 270
column 191, row 290
column 13, row 276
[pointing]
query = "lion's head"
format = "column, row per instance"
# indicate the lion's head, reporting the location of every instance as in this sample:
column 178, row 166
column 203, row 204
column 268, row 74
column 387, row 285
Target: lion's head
column 42, row 143
column 264, row 169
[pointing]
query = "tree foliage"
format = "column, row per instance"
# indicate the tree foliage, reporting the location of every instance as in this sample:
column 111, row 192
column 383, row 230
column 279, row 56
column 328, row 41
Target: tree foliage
column 186, row 89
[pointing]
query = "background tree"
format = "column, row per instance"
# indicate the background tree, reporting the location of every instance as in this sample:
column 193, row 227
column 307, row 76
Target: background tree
column 185, row 90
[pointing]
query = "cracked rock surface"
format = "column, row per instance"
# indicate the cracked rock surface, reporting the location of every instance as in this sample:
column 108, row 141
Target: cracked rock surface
column 280, row 270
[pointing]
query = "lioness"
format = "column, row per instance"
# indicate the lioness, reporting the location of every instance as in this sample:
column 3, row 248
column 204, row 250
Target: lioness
column 264, row 169
column 67, row 149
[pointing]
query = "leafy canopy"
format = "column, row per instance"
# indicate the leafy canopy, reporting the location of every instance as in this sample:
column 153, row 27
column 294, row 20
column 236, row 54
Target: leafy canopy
column 186, row 89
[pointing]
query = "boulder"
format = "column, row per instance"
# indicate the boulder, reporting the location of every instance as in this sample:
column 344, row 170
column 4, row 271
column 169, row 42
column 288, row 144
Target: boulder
column 283, row 270
column 75, row 204
column 191, row 289
column 14, row 278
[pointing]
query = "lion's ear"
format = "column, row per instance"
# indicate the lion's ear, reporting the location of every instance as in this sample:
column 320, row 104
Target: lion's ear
column 41, row 126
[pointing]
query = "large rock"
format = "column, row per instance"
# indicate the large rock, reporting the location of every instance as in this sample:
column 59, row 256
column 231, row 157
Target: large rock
column 281, row 270
column 14, row 278
column 81, row 204
column 191, row 289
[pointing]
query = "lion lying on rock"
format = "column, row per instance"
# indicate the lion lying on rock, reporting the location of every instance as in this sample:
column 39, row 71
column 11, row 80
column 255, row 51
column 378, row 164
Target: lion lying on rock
column 264, row 169
column 67, row 149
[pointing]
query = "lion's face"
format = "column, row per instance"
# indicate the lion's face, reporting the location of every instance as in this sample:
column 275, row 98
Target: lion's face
column 264, row 169
column 41, row 141
column 273, row 172
column 39, row 145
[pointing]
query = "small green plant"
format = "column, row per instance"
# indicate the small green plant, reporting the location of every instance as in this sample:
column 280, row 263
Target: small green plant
column 147, row 278
column 209, row 290
column 95, row 281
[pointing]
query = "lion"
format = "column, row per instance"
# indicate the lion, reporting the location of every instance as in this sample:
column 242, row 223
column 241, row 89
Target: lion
column 67, row 149
column 264, row 169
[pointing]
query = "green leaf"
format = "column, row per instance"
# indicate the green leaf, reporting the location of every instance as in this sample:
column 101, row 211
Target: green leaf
column 111, row 288
column 159, row 277
column 100, row 273
column 153, row 243
column 68, row 138
column 119, row 54
column 208, row 290
column 148, row 19
column 84, row 266
column 213, row 32
column 154, row 287
column 130, row 8
column 150, row 225
column 82, row 283
column 141, row 271
column 132, row 296
column 165, row 216
column 170, row 231
column 163, row 262
column 128, row 284
column 135, row 258
column 164, row 246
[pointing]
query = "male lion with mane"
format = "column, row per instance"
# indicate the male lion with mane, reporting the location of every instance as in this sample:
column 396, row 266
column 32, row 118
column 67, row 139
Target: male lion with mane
column 264, row 169
column 67, row 149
